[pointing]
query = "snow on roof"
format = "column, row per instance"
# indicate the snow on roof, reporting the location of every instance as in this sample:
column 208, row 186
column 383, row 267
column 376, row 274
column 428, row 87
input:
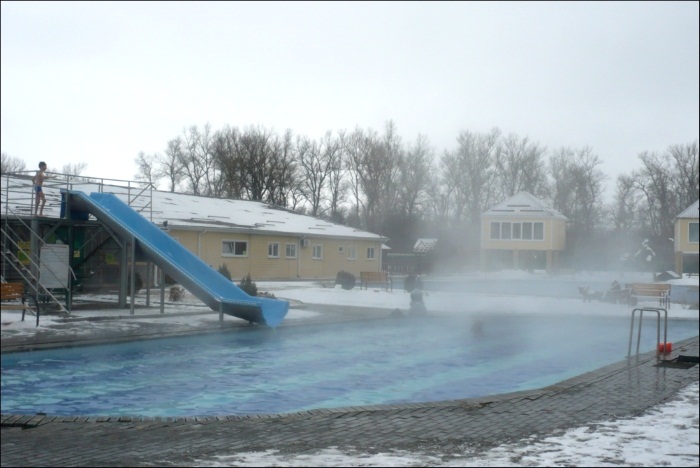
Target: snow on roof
column 183, row 211
column 424, row 245
column 523, row 204
column 691, row 211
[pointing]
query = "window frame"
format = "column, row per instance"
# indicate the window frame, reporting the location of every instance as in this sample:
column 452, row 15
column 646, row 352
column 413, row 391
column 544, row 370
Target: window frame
column 373, row 256
column 535, row 226
column 352, row 253
column 234, row 243
column 314, row 247
column 520, row 230
column 690, row 232
column 509, row 224
column 519, row 235
column 495, row 232
column 275, row 247
column 290, row 246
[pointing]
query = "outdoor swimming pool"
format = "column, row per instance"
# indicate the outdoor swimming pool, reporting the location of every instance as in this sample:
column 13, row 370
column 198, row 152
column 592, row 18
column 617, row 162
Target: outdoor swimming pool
column 261, row 370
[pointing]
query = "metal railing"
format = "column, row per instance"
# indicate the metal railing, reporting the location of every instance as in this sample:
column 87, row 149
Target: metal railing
column 657, row 311
column 18, row 196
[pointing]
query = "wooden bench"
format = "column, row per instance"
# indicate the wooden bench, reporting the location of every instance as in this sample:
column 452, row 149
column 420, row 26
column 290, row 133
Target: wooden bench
column 376, row 277
column 660, row 291
column 13, row 297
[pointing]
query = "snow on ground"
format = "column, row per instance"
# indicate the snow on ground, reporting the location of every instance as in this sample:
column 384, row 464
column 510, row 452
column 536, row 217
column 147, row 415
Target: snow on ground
column 666, row 435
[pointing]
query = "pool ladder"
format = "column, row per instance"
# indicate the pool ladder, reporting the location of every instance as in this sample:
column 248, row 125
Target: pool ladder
column 656, row 310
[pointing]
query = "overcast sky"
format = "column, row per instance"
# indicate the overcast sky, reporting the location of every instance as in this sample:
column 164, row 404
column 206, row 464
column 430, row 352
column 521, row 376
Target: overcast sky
column 98, row 82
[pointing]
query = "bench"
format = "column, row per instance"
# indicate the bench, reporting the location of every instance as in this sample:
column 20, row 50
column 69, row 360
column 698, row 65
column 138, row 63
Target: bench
column 660, row 291
column 376, row 277
column 18, row 299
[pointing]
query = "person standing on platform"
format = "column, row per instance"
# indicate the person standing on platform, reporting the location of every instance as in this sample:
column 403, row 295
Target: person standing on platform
column 38, row 181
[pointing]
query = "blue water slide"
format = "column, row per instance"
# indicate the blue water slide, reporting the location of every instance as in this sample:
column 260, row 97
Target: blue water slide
column 210, row 286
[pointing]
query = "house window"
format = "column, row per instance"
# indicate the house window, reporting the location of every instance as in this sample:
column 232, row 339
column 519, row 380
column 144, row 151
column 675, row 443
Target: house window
column 370, row 253
column 539, row 231
column 524, row 231
column 317, row 252
column 273, row 250
column 340, row 250
column 516, row 231
column 495, row 230
column 234, row 248
column 693, row 232
column 351, row 253
column 290, row 250
column 505, row 230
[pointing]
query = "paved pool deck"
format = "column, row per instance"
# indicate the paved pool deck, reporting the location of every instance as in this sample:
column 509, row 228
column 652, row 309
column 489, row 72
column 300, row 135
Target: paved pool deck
column 626, row 388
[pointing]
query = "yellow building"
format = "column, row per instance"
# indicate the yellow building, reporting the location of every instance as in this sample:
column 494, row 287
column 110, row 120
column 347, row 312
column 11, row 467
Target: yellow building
column 685, row 241
column 522, row 233
column 265, row 241
column 248, row 237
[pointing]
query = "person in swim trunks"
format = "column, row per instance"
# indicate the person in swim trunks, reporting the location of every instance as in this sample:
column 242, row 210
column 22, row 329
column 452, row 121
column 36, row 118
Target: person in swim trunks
column 38, row 181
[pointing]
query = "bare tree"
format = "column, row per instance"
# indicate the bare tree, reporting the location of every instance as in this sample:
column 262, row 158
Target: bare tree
column 197, row 160
column 148, row 170
column 337, row 181
column 520, row 167
column 578, row 187
column 379, row 172
column 356, row 146
column 73, row 169
column 281, row 178
column 317, row 160
column 685, row 168
column 416, row 178
column 468, row 174
column 656, row 181
column 227, row 157
column 625, row 206
column 170, row 166
column 11, row 164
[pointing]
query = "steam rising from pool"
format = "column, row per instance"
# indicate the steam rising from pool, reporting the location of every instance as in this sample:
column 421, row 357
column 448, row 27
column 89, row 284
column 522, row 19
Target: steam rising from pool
column 399, row 360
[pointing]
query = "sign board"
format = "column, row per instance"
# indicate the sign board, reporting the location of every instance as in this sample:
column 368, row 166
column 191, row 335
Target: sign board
column 24, row 251
column 55, row 268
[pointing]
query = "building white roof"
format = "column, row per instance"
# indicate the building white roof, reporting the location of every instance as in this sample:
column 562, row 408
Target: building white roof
column 691, row 212
column 523, row 205
column 182, row 211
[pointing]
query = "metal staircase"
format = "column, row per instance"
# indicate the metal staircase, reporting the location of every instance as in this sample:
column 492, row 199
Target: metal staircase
column 42, row 296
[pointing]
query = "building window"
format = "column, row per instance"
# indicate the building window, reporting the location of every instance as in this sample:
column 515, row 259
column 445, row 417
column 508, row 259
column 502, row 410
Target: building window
column 317, row 252
column 370, row 253
column 351, row 253
column 505, row 231
column 524, row 231
column 539, row 231
column 516, row 231
column 235, row 248
column 290, row 250
column 340, row 249
column 273, row 250
column 495, row 230
column 693, row 232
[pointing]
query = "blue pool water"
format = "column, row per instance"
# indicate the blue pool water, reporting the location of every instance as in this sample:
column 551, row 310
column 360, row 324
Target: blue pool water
column 291, row 369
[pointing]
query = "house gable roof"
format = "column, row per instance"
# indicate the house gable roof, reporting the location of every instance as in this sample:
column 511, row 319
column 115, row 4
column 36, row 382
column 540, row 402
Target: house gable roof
column 521, row 205
column 691, row 212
